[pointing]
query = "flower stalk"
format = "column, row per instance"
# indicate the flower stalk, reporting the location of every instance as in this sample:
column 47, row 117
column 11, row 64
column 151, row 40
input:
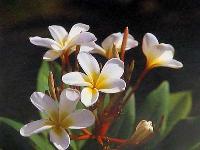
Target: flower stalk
column 124, row 43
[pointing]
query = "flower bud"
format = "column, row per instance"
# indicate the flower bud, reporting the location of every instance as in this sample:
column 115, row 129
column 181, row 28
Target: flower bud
column 144, row 131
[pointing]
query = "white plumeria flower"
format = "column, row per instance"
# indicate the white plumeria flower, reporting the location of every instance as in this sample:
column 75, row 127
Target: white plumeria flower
column 107, row 81
column 64, row 42
column 158, row 54
column 60, row 116
column 116, row 39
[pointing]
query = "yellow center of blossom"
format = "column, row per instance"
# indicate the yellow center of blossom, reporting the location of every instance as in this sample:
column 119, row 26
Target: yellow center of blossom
column 152, row 61
column 58, row 121
column 98, row 81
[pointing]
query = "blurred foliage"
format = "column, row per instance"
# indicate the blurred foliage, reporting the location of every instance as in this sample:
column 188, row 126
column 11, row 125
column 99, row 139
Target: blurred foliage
column 38, row 142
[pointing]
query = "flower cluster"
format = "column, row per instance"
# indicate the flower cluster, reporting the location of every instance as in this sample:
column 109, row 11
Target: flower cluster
column 94, row 80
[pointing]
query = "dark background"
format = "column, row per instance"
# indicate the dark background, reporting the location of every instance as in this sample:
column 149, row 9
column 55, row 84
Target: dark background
column 176, row 22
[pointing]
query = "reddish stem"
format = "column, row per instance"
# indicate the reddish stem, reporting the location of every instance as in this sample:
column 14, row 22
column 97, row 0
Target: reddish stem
column 86, row 131
column 124, row 42
column 115, row 140
column 137, row 84
column 100, row 139
column 104, row 128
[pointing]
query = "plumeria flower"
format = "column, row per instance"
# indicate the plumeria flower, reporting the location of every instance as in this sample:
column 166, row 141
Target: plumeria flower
column 107, row 81
column 114, row 39
column 64, row 41
column 60, row 116
column 158, row 54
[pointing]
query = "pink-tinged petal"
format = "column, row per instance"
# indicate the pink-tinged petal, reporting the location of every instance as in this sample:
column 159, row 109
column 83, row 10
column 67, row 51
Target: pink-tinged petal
column 172, row 64
column 149, row 40
column 81, row 119
column 83, row 38
column 89, row 96
column 109, row 41
column 89, row 64
column 34, row 127
column 44, row 42
column 76, row 78
column 131, row 43
column 43, row 102
column 77, row 29
column 88, row 47
column 114, row 68
column 98, row 50
column 60, row 138
column 51, row 55
column 162, row 52
column 112, row 86
column 58, row 33
column 68, row 101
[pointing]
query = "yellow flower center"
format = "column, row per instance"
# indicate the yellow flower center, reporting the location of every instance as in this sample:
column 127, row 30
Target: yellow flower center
column 57, row 120
column 97, row 81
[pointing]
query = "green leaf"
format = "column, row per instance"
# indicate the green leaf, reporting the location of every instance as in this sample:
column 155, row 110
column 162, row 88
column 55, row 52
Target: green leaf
column 39, row 142
column 155, row 109
column 42, row 78
column 179, row 107
column 123, row 126
column 184, row 136
column 155, row 106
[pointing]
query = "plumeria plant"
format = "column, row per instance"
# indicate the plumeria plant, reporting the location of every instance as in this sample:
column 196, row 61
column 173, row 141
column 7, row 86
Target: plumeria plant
column 97, row 98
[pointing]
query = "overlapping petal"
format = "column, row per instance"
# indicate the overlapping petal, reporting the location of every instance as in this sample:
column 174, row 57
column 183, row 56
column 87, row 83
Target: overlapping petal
column 109, row 41
column 43, row 102
column 83, row 38
column 114, row 68
column 112, row 85
column 89, row 64
column 34, row 127
column 51, row 55
column 87, row 47
column 58, row 33
column 76, row 78
column 68, row 101
column 60, row 138
column 81, row 119
column 149, row 40
column 77, row 29
column 89, row 96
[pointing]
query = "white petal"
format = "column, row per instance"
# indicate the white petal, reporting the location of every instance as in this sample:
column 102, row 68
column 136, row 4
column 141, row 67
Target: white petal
column 87, row 47
column 77, row 29
column 98, row 50
column 44, row 42
column 149, row 40
column 34, row 127
column 43, row 102
column 172, row 64
column 112, row 86
column 68, row 101
column 76, row 78
column 51, row 55
column 81, row 119
column 131, row 43
column 83, row 38
column 162, row 51
column 108, row 42
column 114, row 68
column 89, row 64
column 89, row 96
column 60, row 138
column 58, row 33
